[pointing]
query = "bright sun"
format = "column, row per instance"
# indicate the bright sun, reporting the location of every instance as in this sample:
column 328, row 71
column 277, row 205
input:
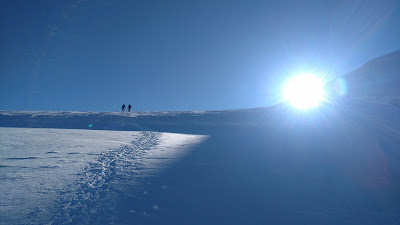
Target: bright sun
column 304, row 91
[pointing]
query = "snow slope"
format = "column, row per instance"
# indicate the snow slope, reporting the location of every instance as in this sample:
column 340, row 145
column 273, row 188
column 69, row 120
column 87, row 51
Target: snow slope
column 338, row 164
column 334, row 165
column 56, row 174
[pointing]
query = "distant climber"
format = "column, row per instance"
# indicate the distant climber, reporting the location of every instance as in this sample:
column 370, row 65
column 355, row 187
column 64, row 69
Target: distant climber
column 123, row 107
column 129, row 108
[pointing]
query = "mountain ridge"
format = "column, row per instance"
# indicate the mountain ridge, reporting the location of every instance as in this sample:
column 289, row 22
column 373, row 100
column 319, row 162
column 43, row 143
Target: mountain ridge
column 377, row 77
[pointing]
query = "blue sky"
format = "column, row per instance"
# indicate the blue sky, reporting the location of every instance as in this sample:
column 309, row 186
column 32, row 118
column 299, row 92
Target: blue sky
column 180, row 55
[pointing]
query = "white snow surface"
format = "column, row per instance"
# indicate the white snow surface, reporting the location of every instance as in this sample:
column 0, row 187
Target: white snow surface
column 39, row 167
column 337, row 164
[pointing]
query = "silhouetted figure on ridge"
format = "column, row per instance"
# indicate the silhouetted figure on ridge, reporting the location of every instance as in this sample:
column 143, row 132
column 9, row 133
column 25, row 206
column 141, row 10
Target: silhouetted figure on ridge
column 129, row 108
column 123, row 107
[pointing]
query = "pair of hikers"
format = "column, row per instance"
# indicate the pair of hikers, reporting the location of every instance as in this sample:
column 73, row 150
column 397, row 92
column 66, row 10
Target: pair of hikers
column 129, row 108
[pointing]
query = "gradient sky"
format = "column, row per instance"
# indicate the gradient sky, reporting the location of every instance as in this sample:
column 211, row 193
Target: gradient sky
column 180, row 55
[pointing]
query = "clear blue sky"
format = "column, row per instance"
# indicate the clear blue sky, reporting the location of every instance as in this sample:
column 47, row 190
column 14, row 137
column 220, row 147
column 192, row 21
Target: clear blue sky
column 180, row 55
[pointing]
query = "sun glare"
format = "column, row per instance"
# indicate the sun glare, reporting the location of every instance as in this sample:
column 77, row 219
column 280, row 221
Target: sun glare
column 304, row 91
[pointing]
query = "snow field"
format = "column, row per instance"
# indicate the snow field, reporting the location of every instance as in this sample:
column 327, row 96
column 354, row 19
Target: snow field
column 62, row 176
